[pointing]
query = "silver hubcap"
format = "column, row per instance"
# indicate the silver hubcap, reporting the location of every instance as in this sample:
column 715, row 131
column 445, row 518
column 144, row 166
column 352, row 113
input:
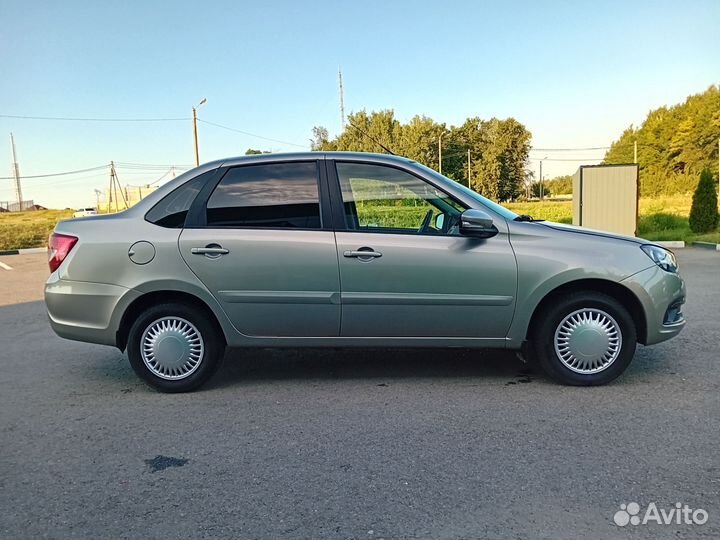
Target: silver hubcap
column 172, row 348
column 588, row 341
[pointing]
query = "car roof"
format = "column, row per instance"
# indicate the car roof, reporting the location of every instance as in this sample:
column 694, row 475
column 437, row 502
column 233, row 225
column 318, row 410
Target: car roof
column 299, row 156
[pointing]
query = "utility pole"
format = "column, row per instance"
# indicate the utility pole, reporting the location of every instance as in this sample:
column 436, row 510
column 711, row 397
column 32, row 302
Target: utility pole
column 197, row 151
column 114, row 188
column 195, row 134
column 342, row 101
column 440, row 152
column 542, row 185
column 97, row 200
column 469, row 170
column 110, row 187
column 16, row 173
column 635, row 153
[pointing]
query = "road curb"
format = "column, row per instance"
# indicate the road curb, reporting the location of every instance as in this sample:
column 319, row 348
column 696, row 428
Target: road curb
column 673, row 244
column 23, row 251
column 707, row 245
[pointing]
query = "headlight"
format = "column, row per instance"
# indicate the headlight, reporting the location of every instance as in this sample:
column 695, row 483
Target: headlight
column 664, row 258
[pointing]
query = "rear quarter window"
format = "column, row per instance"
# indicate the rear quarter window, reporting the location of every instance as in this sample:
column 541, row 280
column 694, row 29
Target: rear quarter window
column 171, row 211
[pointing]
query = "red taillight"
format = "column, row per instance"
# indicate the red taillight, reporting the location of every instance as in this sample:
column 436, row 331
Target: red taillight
column 59, row 246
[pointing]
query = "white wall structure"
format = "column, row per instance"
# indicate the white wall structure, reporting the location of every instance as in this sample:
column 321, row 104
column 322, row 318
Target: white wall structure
column 605, row 197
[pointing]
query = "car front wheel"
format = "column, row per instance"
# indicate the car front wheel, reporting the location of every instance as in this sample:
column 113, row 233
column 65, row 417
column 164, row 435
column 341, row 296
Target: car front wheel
column 174, row 348
column 584, row 339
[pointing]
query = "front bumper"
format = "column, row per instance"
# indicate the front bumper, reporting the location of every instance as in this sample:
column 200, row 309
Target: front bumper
column 85, row 311
column 661, row 293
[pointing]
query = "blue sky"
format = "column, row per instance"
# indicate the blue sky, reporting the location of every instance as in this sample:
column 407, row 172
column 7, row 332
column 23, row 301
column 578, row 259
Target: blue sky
column 575, row 73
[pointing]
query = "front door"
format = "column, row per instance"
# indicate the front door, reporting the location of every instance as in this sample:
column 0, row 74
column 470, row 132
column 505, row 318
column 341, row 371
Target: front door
column 404, row 268
column 262, row 250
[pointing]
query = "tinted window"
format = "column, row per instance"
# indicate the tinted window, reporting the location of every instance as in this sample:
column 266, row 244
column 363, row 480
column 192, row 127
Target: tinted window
column 278, row 195
column 379, row 198
column 492, row 205
column 171, row 210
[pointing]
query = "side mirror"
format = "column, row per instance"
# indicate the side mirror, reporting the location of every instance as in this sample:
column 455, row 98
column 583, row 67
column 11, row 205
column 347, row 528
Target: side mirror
column 477, row 224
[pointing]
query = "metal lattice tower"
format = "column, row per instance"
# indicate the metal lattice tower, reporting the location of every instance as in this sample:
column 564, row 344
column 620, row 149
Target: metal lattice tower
column 342, row 101
column 16, row 173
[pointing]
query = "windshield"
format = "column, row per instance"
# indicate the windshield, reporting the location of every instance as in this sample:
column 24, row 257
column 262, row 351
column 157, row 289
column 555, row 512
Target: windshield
column 492, row 205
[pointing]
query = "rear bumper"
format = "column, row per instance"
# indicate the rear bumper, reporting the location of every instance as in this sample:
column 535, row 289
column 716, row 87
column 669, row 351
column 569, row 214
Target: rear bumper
column 658, row 291
column 85, row 311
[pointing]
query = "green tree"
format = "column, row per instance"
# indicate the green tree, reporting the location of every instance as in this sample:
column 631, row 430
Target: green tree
column 535, row 189
column 500, row 172
column 560, row 185
column 674, row 144
column 253, row 152
column 320, row 139
column 366, row 132
column 704, row 210
column 498, row 148
column 419, row 140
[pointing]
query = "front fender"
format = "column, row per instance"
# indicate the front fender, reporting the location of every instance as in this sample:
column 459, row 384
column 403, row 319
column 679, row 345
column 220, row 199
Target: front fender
column 549, row 258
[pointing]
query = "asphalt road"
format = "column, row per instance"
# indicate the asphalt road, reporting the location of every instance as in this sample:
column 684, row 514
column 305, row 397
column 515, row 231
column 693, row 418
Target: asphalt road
column 354, row 443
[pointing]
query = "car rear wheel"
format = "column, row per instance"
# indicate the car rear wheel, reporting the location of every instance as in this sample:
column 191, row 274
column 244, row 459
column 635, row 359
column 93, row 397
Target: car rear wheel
column 174, row 348
column 584, row 339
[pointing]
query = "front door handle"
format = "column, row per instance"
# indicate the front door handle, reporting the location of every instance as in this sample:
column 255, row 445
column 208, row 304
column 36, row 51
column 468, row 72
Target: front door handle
column 211, row 250
column 362, row 253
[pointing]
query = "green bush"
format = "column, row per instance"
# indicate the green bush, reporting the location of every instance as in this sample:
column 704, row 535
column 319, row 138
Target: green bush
column 704, row 209
column 661, row 221
column 653, row 184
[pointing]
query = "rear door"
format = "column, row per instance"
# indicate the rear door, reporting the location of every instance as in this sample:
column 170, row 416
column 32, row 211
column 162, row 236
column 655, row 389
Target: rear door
column 262, row 244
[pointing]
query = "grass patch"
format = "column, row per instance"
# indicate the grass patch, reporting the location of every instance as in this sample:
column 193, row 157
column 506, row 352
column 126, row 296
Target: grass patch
column 557, row 211
column 20, row 230
column 661, row 218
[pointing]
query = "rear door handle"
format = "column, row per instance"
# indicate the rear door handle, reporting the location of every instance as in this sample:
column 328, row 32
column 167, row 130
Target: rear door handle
column 209, row 250
column 362, row 254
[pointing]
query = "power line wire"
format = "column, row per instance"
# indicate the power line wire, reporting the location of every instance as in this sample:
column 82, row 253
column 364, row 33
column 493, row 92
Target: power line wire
column 73, row 119
column 251, row 134
column 533, row 149
column 57, row 174
column 63, row 182
column 566, row 159
column 128, row 165
column 163, row 176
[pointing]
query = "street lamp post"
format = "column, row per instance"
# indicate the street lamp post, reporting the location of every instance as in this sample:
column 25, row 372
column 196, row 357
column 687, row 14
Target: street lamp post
column 542, row 186
column 194, row 110
column 440, row 151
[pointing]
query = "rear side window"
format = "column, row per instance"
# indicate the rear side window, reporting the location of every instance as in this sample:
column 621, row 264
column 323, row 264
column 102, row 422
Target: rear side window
column 275, row 195
column 171, row 211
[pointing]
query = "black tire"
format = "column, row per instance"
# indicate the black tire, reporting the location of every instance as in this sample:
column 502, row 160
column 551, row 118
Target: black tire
column 213, row 348
column 543, row 338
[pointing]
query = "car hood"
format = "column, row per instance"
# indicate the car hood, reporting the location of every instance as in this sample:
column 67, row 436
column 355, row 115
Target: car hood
column 594, row 232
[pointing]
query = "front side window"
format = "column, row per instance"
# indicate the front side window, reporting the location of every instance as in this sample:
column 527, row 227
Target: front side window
column 385, row 199
column 170, row 212
column 274, row 195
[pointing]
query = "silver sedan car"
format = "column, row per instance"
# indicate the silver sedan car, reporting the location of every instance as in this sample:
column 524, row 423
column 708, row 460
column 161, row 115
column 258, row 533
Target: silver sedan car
column 351, row 249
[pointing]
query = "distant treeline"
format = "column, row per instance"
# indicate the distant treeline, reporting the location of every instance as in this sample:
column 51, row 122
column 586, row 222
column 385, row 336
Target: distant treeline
column 499, row 149
column 674, row 145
